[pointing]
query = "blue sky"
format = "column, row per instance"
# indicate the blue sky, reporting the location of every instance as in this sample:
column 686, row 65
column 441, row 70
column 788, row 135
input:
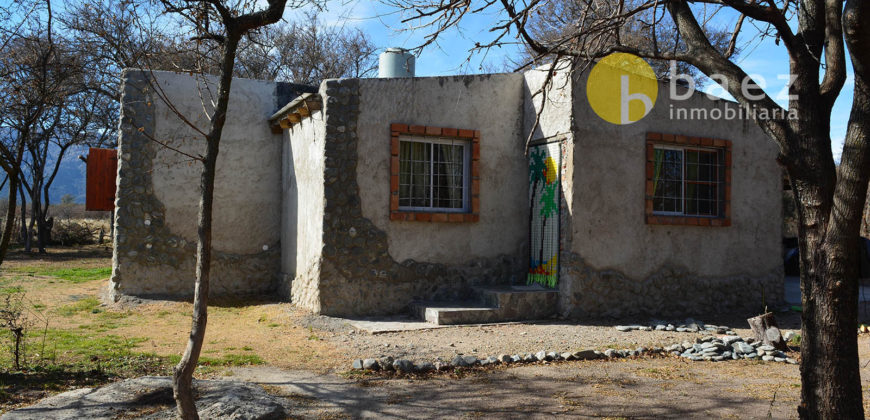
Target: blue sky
column 760, row 56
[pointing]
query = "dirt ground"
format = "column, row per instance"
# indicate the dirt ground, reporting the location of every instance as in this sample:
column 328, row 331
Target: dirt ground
column 646, row 388
column 307, row 358
column 510, row 338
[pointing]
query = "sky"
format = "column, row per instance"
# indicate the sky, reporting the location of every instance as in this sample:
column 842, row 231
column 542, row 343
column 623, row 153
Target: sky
column 760, row 57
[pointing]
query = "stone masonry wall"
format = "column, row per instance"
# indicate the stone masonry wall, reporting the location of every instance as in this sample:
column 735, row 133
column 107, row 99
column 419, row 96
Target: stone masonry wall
column 671, row 291
column 150, row 259
column 358, row 275
column 613, row 264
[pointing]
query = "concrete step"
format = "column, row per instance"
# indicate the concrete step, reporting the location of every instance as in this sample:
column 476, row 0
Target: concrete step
column 521, row 303
column 496, row 304
column 444, row 313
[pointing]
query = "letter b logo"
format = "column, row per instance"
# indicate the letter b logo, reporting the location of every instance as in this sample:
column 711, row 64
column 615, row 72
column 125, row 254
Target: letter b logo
column 621, row 88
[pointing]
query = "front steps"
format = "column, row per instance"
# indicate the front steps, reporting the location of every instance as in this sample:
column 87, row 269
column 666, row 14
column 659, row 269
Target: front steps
column 494, row 304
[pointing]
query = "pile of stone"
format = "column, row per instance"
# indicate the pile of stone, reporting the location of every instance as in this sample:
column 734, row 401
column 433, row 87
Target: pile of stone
column 407, row 366
column 690, row 325
column 728, row 348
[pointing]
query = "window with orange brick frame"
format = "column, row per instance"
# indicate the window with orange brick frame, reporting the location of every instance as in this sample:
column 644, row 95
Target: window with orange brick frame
column 723, row 185
column 472, row 212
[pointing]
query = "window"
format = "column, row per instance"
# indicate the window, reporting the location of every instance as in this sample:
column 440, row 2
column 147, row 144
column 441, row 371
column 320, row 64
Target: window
column 688, row 180
column 434, row 174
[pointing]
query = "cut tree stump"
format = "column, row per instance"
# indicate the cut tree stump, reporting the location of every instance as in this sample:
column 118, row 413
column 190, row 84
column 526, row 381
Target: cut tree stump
column 766, row 331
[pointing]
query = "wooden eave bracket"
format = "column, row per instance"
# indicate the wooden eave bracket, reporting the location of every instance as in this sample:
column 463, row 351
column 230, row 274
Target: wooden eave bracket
column 294, row 112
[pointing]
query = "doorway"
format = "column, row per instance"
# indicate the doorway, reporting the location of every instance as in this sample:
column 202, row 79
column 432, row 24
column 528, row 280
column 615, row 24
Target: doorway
column 544, row 198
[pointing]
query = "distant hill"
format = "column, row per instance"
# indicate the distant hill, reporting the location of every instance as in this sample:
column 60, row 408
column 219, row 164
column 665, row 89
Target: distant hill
column 70, row 178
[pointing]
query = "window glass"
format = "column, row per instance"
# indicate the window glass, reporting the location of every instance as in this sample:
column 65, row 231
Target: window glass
column 668, row 181
column 687, row 181
column 432, row 175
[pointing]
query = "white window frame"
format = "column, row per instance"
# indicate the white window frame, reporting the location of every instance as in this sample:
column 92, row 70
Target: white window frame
column 466, row 173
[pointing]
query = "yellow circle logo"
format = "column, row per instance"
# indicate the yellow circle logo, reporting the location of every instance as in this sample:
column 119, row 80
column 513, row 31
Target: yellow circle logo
column 622, row 88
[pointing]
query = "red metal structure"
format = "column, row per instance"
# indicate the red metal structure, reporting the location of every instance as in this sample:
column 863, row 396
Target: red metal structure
column 101, row 178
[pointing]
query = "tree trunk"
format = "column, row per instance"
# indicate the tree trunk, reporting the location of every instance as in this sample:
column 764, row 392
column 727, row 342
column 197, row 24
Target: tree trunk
column 28, row 244
column 829, row 254
column 831, row 383
column 9, row 224
column 183, row 373
column 39, row 211
column 765, row 329
column 43, row 231
column 23, row 232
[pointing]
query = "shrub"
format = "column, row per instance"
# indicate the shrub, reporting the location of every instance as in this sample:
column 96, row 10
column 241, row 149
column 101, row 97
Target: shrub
column 69, row 232
column 14, row 319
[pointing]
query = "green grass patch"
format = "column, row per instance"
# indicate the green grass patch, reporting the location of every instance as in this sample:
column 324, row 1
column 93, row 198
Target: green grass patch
column 89, row 304
column 82, row 348
column 74, row 345
column 226, row 360
column 73, row 359
column 72, row 275
column 11, row 290
column 106, row 320
column 235, row 360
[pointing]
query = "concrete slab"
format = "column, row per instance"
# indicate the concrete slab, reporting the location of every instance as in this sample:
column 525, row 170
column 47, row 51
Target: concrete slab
column 395, row 324
column 399, row 324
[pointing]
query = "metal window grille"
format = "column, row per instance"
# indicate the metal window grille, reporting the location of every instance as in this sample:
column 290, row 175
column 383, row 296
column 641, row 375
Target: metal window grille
column 433, row 174
column 688, row 181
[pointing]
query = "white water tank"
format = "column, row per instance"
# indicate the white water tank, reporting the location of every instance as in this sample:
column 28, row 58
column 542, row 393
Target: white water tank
column 396, row 62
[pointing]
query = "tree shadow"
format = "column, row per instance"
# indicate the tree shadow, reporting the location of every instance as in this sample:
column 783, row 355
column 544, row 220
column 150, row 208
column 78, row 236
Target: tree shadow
column 60, row 254
column 504, row 394
column 28, row 386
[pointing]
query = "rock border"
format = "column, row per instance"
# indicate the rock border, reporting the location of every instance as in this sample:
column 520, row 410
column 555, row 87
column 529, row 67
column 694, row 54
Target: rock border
column 708, row 348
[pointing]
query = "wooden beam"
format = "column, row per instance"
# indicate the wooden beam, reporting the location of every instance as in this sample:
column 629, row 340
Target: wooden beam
column 313, row 105
column 294, row 117
column 303, row 111
column 286, row 123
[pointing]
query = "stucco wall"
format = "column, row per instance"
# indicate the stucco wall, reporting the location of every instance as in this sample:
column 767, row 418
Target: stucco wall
column 492, row 104
column 551, row 107
column 158, row 190
column 360, row 270
column 620, row 265
column 302, row 221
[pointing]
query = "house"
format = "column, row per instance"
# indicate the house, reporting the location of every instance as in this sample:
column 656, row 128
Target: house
column 368, row 197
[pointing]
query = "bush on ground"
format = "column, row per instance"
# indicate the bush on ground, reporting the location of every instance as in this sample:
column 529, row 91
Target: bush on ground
column 72, row 232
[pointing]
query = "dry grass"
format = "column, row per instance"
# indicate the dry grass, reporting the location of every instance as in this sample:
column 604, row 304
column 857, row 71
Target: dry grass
column 239, row 332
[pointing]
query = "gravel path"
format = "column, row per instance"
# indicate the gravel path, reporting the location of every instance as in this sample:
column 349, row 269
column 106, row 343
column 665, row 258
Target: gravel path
column 492, row 340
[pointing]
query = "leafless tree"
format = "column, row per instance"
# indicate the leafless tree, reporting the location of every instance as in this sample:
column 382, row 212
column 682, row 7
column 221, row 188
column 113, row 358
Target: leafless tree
column 14, row 19
column 112, row 36
column 212, row 25
column 52, row 102
column 306, row 51
column 556, row 20
column 31, row 91
column 819, row 36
